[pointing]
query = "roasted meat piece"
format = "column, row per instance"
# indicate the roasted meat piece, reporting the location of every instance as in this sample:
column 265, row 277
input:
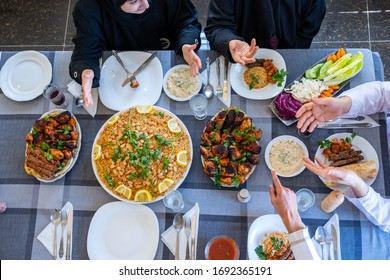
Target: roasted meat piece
column 63, row 117
column 210, row 168
column 215, row 137
column 64, row 137
column 226, row 180
column 231, row 115
column 246, row 123
column 220, row 118
column 210, row 125
column 253, row 147
column 220, row 150
column 254, row 159
column 256, row 133
column 229, row 171
column 206, row 153
column 244, row 167
column 234, row 153
column 205, row 139
column 238, row 119
column 224, row 161
column 71, row 144
column 57, row 154
column 39, row 125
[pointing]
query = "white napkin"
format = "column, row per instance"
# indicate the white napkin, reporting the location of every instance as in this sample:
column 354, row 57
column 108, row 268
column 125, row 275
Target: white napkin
column 335, row 221
column 47, row 235
column 367, row 119
column 75, row 89
column 169, row 236
column 214, row 79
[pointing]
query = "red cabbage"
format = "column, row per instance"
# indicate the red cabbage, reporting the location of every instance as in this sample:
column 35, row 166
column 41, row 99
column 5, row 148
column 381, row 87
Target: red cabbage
column 287, row 106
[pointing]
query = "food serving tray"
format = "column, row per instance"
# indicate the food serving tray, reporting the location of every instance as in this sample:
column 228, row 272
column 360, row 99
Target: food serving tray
column 275, row 110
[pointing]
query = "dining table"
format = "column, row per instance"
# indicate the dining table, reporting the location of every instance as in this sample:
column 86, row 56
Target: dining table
column 30, row 202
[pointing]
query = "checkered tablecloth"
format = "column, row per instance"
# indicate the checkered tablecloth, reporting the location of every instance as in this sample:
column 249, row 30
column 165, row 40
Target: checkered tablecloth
column 30, row 202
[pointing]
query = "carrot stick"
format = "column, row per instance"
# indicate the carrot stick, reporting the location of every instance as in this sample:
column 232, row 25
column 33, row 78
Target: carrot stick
column 342, row 51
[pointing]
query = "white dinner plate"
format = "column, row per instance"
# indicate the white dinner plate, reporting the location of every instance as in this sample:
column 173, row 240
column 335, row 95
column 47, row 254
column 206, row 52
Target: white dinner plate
column 285, row 137
column 259, row 230
column 267, row 92
column 122, row 231
column 25, row 75
column 150, row 78
column 76, row 151
column 169, row 94
column 358, row 143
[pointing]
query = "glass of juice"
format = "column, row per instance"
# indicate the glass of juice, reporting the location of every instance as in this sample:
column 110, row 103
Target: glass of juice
column 55, row 95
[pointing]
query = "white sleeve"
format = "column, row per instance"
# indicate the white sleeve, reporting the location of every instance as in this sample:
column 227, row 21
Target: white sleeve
column 368, row 98
column 375, row 207
column 302, row 246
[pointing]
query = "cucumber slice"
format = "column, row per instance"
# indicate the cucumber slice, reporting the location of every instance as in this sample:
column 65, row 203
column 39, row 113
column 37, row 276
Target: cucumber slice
column 325, row 68
column 313, row 72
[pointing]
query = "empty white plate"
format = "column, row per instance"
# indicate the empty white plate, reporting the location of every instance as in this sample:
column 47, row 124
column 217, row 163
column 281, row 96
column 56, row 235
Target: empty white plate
column 123, row 231
column 24, row 75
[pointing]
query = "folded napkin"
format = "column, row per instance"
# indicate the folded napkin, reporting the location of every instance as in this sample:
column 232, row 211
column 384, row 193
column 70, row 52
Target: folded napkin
column 352, row 123
column 335, row 221
column 47, row 235
column 169, row 236
column 214, row 79
column 75, row 89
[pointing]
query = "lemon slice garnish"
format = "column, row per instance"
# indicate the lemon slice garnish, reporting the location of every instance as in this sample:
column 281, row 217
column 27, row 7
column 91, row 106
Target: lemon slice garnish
column 97, row 152
column 144, row 109
column 174, row 126
column 113, row 120
column 143, row 196
column 122, row 189
column 181, row 158
column 165, row 185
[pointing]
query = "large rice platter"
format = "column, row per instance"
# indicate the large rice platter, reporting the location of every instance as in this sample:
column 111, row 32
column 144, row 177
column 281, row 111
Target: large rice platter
column 142, row 153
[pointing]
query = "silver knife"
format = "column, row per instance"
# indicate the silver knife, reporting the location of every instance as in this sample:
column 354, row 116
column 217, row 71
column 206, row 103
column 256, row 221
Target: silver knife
column 146, row 62
column 225, row 83
column 344, row 125
column 335, row 244
column 68, row 233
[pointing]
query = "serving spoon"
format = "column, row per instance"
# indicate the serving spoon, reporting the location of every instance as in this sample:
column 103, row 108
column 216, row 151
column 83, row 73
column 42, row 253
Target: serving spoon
column 208, row 90
column 55, row 220
column 178, row 224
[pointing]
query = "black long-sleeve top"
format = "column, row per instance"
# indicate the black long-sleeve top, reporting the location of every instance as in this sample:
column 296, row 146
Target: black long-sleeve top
column 273, row 23
column 101, row 25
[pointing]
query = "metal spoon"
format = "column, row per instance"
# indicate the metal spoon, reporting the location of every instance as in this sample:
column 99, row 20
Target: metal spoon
column 80, row 100
column 208, row 90
column 178, row 224
column 55, row 220
column 320, row 237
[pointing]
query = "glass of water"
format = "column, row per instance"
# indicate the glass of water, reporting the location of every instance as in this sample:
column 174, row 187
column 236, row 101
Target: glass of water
column 198, row 104
column 174, row 201
column 305, row 199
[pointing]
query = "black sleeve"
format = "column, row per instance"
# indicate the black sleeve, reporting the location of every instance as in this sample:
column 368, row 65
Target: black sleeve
column 221, row 26
column 311, row 24
column 186, row 25
column 88, row 43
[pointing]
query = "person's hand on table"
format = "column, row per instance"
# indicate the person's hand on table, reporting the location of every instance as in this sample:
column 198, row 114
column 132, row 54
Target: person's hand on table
column 285, row 202
column 86, row 86
column 242, row 52
column 321, row 110
column 337, row 175
column 192, row 59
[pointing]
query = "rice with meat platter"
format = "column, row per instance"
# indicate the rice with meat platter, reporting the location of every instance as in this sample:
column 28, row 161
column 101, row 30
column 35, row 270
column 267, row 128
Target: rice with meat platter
column 139, row 151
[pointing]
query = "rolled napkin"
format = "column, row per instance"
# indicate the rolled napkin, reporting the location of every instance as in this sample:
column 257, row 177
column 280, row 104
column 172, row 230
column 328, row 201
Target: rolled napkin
column 46, row 237
column 169, row 236
column 75, row 89
column 214, row 79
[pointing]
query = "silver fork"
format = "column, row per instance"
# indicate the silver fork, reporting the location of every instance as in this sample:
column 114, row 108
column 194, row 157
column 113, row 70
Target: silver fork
column 64, row 221
column 187, row 230
column 218, row 89
column 329, row 241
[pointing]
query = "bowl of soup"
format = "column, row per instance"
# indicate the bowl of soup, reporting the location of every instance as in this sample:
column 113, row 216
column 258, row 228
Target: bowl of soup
column 222, row 248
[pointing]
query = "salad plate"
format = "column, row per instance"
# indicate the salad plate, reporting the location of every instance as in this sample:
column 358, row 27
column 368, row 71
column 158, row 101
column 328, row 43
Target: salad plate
column 122, row 231
column 270, row 90
column 284, row 105
column 150, row 79
column 24, row 75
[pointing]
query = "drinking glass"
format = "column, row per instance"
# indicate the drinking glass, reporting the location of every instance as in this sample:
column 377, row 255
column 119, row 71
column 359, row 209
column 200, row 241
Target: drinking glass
column 174, row 201
column 305, row 199
column 198, row 104
column 305, row 134
column 55, row 95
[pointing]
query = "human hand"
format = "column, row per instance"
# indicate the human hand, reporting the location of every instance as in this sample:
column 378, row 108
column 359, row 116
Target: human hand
column 192, row 59
column 241, row 52
column 86, row 86
column 321, row 110
column 285, row 202
column 337, row 175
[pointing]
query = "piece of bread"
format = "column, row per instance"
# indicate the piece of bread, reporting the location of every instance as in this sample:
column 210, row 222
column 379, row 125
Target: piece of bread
column 365, row 170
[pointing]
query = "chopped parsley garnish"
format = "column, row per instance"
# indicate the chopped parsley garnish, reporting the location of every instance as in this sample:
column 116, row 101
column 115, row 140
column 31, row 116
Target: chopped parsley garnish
column 260, row 253
column 279, row 77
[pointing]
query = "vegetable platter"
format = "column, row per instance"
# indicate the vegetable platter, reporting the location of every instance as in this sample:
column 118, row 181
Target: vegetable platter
column 324, row 79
